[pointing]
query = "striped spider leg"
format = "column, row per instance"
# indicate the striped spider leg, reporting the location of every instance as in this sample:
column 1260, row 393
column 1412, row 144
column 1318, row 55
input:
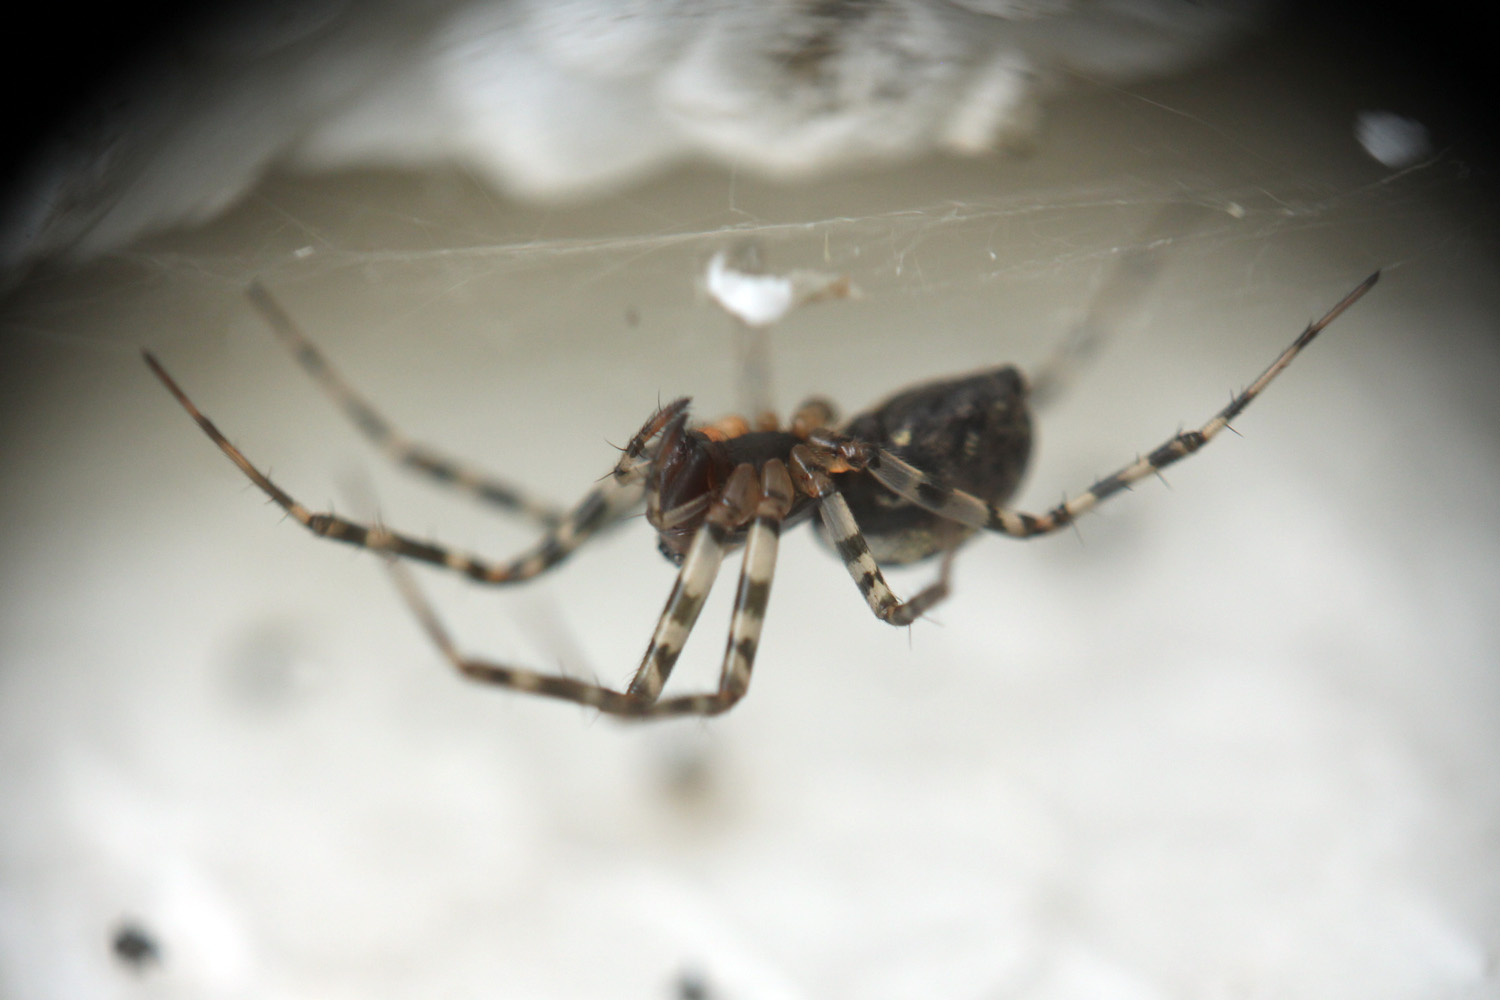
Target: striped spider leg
column 843, row 533
column 698, row 523
column 749, row 509
column 399, row 448
column 963, row 507
column 757, row 506
column 811, row 471
column 601, row 507
column 909, row 479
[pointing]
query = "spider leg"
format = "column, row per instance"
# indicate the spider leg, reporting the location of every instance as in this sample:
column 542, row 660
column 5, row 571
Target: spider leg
column 767, row 508
column 700, row 566
column 757, row 570
column 489, row 672
column 601, row 507
column 397, row 446
column 849, row 542
column 923, row 490
column 724, row 428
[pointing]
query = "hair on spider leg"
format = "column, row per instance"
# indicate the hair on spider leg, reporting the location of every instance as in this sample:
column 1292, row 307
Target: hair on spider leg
column 912, row 478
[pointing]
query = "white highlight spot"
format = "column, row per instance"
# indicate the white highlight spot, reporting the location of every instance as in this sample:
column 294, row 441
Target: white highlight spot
column 1392, row 139
column 762, row 299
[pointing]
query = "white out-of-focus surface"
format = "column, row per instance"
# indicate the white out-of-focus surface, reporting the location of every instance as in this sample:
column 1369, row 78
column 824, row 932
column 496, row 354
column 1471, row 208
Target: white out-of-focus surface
column 1235, row 738
column 555, row 100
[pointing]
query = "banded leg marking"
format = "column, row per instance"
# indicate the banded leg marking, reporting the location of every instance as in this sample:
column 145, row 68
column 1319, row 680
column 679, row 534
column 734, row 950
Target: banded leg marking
column 849, row 542
column 601, row 507
column 756, row 572
column 490, row 672
column 397, row 446
column 694, row 580
column 751, row 598
column 916, row 486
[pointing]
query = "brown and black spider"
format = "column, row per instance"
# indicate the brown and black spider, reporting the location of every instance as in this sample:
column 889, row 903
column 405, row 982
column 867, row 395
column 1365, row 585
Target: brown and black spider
column 909, row 479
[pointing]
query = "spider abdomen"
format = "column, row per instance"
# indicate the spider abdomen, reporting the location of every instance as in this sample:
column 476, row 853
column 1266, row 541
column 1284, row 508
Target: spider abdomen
column 972, row 432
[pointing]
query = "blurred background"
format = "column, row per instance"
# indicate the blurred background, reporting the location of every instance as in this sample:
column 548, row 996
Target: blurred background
column 1232, row 738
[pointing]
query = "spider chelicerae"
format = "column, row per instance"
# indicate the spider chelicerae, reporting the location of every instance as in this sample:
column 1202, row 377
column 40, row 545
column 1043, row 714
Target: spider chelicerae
column 910, row 479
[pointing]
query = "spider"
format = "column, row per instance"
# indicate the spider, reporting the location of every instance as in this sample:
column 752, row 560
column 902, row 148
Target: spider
column 910, row 479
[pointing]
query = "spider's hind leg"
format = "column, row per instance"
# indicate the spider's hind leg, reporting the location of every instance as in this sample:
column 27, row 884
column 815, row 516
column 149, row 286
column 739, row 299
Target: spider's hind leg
column 916, row 486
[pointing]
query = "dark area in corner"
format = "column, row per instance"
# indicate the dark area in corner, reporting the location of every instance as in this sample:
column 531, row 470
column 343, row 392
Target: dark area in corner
column 1431, row 62
column 1436, row 56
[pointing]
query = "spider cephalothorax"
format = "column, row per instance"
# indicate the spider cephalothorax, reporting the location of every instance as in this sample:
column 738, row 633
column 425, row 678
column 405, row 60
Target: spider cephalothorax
column 911, row 478
column 689, row 467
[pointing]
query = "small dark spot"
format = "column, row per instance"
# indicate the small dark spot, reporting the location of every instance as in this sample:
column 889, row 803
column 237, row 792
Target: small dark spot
column 691, row 985
column 266, row 667
column 1236, row 406
column 632, row 317
column 688, row 776
column 134, row 945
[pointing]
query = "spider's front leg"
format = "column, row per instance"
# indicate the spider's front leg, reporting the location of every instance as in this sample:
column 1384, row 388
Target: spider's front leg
column 600, row 508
